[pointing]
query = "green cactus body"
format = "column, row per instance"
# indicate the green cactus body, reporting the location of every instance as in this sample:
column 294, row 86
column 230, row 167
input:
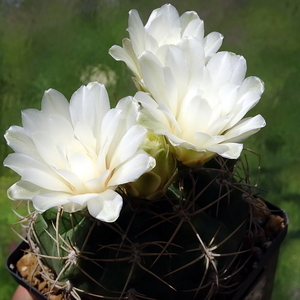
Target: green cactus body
column 193, row 243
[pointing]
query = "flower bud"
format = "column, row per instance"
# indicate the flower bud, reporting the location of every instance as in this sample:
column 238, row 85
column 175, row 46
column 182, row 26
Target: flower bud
column 153, row 184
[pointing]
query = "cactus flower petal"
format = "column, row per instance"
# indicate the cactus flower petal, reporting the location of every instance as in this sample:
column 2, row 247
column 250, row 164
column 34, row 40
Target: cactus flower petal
column 106, row 206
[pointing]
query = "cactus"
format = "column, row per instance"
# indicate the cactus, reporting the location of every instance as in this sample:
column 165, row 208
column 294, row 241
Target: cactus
column 196, row 242
column 150, row 199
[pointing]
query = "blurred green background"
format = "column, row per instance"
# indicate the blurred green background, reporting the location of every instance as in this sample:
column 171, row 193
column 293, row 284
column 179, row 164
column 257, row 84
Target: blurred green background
column 63, row 44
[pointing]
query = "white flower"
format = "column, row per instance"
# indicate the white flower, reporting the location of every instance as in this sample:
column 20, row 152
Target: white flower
column 76, row 154
column 164, row 28
column 195, row 97
column 199, row 106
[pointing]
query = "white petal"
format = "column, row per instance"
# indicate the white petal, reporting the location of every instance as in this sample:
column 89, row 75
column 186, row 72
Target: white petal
column 72, row 179
column 248, row 96
column 85, row 135
column 245, row 128
column 82, row 199
column 60, row 129
column 111, row 134
column 193, row 51
column 98, row 184
column 110, row 126
column 54, row 102
column 106, row 206
column 204, row 141
column 136, row 32
column 164, row 25
column 194, row 117
column 228, row 94
column 17, row 138
column 48, row 150
column 20, row 162
column 127, row 55
column 252, row 84
column 43, row 202
column 129, row 109
column 225, row 66
column 57, row 127
column 176, row 61
column 72, row 207
column 128, row 145
column 227, row 150
column 88, row 105
column 171, row 117
column 151, row 43
column 153, row 124
column 153, row 76
column 212, row 43
column 24, row 190
column 132, row 169
column 167, row 10
column 177, row 141
column 82, row 165
column 123, row 136
column 218, row 127
column 192, row 25
column 45, row 180
column 33, row 119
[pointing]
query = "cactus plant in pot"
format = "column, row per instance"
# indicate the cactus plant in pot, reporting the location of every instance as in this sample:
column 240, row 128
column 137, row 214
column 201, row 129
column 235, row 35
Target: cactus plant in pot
column 150, row 199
